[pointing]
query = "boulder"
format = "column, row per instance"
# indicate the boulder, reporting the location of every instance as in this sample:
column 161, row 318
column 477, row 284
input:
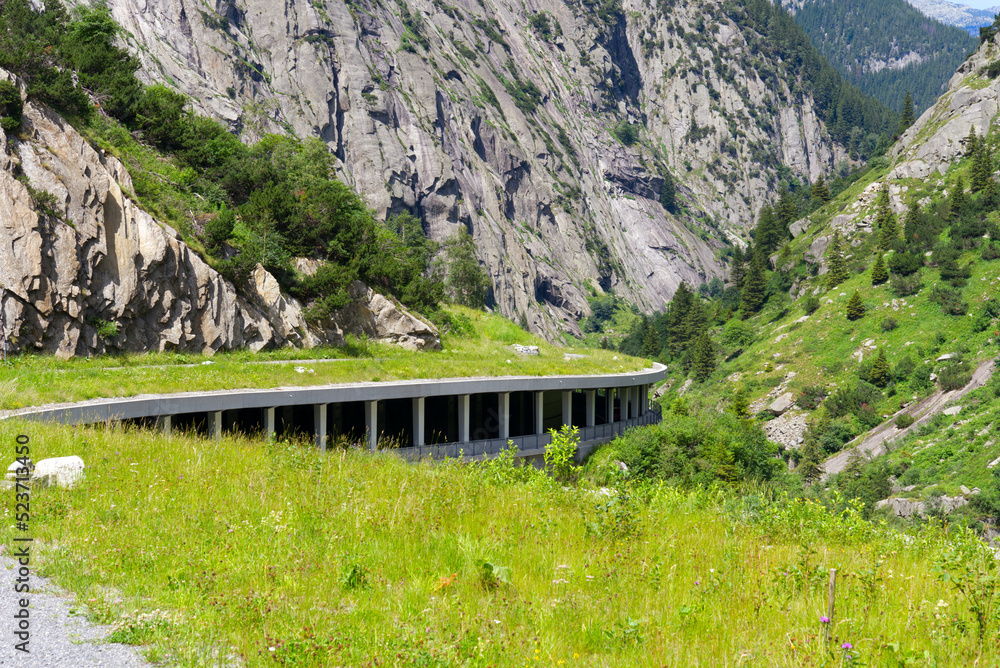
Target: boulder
column 782, row 403
column 383, row 319
column 58, row 471
column 525, row 350
column 15, row 467
column 946, row 357
column 952, row 410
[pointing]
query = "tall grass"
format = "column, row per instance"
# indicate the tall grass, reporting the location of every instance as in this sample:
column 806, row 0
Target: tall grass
column 484, row 350
column 202, row 551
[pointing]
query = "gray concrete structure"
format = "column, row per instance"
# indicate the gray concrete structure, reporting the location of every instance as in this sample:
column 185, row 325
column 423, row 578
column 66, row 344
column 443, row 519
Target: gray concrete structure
column 433, row 417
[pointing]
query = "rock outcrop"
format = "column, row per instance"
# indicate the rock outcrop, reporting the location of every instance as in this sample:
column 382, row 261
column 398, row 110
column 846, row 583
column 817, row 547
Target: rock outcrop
column 377, row 317
column 85, row 271
column 477, row 115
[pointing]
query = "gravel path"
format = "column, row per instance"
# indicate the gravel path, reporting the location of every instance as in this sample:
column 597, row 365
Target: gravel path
column 873, row 443
column 58, row 639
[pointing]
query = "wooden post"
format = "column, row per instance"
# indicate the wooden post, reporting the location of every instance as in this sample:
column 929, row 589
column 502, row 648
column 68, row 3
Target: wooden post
column 830, row 602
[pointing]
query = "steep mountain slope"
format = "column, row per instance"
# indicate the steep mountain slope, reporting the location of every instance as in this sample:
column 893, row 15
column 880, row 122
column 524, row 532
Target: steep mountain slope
column 498, row 117
column 886, row 47
column 955, row 14
column 916, row 310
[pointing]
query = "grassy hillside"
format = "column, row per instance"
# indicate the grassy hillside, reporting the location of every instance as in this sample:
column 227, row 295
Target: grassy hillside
column 205, row 553
column 478, row 344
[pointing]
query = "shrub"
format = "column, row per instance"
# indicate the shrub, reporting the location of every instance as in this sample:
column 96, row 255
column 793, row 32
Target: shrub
column 561, row 453
column 626, row 133
column 905, row 420
column 950, row 300
column 904, row 286
column 954, row 376
column 811, row 396
column 738, row 333
column 811, row 304
column 888, row 323
column 11, row 108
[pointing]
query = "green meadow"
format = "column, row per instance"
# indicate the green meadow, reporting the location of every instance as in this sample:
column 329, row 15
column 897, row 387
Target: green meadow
column 247, row 553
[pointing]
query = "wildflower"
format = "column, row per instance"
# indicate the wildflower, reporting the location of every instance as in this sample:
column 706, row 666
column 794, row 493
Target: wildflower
column 847, row 645
column 696, row 583
column 824, row 619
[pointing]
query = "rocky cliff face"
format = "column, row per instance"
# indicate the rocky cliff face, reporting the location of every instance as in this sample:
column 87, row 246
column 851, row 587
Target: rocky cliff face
column 83, row 270
column 937, row 138
column 497, row 116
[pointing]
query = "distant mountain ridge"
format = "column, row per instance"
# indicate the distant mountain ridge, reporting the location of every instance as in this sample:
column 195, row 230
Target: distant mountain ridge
column 954, row 14
column 885, row 47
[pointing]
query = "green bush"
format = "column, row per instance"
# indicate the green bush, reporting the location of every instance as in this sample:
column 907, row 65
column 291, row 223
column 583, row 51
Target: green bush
column 560, row 454
column 11, row 107
column 905, row 420
column 888, row 323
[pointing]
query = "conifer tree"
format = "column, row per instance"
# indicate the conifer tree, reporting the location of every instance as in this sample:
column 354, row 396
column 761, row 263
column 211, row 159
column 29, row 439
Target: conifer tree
column 838, row 272
column 704, row 357
column 906, row 115
column 785, row 213
column 881, row 373
column 971, row 143
column 808, row 466
column 741, row 404
column 820, row 190
column 879, row 274
column 739, row 269
column 886, row 219
column 982, row 167
column 754, row 286
column 958, row 199
column 991, row 194
column 855, row 307
column 768, row 234
column 650, row 346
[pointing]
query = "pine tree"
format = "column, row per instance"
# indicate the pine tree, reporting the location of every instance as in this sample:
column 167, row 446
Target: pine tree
column 855, row 307
column 906, row 116
column 650, row 346
column 982, row 167
column 820, row 190
column 971, row 143
column 754, row 287
column 704, row 357
column 838, row 272
column 768, row 233
column 881, row 373
column 958, row 199
column 886, row 219
column 808, row 466
column 879, row 274
column 676, row 319
column 991, row 194
column 738, row 269
column 741, row 404
column 785, row 213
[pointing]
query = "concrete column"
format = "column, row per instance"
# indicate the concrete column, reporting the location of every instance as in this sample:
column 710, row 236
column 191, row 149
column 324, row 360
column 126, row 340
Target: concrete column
column 164, row 424
column 503, row 408
column 631, row 402
column 319, row 425
column 567, row 407
column 270, row 428
column 539, row 412
column 215, row 425
column 622, row 393
column 644, row 400
column 371, row 424
column 591, row 407
column 609, row 399
column 463, row 418
column 418, row 421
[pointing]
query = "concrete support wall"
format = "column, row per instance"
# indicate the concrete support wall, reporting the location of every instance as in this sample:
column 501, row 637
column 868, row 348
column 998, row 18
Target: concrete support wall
column 539, row 412
column 503, row 413
column 591, row 407
column 215, row 425
column 319, row 425
column 267, row 420
column 164, row 424
column 371, row 424
column 418, row 421
column 567, row 407
column 463, row 418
